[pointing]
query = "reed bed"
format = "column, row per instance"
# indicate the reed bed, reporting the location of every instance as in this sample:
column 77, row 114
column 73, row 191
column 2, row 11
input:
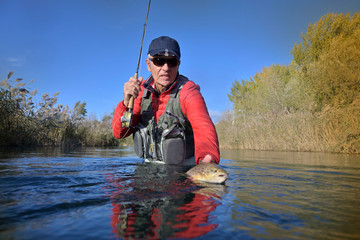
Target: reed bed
column 329, row 131
column 26, row 120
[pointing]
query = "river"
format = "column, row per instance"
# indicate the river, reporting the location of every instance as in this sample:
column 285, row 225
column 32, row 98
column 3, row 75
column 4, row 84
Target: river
column 97, row 193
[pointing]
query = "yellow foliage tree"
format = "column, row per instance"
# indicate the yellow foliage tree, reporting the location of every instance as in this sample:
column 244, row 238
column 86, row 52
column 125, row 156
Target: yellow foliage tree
column 321, row 34
column 336, row 74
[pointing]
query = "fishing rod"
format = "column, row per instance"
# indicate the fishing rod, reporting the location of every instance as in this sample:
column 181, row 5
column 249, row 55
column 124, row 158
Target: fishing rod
column 142, row 40
column 127, row 117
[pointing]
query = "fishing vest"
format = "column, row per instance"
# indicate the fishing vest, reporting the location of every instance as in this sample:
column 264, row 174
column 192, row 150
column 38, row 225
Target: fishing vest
column 169, row 141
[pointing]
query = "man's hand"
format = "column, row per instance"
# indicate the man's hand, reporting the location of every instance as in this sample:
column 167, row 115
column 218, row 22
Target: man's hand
column 131, row 88
column 207, row 159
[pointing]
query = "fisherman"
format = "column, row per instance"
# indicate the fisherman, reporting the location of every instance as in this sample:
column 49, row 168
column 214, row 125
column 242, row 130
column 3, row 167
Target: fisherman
column 170, row 122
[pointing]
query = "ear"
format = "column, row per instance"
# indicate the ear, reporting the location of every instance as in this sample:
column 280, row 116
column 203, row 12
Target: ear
column 148, row 64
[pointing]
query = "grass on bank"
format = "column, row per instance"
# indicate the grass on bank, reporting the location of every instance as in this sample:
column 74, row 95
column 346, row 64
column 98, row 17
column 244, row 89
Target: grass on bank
column 328, row 131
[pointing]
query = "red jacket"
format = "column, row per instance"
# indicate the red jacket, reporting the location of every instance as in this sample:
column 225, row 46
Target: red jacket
column 193, row 106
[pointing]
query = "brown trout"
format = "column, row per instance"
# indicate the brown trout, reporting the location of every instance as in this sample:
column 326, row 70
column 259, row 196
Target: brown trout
column 208, row 172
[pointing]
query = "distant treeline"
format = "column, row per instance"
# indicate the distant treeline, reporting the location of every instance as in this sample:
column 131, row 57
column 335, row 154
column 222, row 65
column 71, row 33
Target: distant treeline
column 312, row 104
column 27, row 121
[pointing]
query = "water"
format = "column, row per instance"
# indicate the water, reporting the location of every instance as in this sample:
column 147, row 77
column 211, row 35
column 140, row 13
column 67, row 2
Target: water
column 112, row 194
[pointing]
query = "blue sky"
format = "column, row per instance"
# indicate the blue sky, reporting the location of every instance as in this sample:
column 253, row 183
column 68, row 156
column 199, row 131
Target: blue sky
column 87, row 49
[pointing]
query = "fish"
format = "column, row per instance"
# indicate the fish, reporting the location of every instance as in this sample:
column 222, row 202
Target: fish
column 208, row 172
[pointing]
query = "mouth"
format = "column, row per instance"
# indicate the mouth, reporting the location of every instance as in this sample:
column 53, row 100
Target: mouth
column 165, row 75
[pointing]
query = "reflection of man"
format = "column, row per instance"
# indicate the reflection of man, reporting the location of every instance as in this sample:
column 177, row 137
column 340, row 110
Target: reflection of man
column 171, row 123
column 155, row 203
column 185, row 216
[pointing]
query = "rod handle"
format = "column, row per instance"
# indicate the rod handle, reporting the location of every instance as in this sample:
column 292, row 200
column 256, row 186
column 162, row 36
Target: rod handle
column 131, row 101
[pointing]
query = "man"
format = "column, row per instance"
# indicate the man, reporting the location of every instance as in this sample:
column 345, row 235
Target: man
column 170, row 122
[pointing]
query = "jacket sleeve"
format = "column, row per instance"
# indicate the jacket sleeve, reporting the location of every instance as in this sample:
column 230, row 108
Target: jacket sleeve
column 205, row 136
column 118, row 131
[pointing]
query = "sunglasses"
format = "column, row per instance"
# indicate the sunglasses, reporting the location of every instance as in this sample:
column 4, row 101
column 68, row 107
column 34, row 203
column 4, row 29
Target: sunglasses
column 158, row 61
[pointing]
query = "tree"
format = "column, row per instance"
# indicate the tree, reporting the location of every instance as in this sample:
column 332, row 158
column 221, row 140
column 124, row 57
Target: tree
column 320, row 35
column 336, row 75
column 241, row 93
column 328, row 56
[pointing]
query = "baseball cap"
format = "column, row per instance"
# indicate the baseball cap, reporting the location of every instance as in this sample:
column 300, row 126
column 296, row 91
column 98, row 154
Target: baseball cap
column 164, row 45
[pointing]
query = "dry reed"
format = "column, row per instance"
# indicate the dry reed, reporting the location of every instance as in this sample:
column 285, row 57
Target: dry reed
column 24, row 121
column 329, row 131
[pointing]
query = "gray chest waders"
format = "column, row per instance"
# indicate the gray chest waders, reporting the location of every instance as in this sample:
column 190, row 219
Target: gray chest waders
column 169, row 141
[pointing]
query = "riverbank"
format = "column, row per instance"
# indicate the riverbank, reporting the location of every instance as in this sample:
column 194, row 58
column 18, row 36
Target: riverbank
column 332, row 130
column 312, row 104
column 27, row 120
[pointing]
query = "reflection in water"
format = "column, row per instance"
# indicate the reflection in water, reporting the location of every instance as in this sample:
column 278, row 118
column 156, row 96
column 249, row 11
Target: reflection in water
column 159, row 202
column 269, row 195
column 292, row 195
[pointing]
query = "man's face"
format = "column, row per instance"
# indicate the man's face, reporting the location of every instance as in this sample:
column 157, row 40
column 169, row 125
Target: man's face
column 164, row 70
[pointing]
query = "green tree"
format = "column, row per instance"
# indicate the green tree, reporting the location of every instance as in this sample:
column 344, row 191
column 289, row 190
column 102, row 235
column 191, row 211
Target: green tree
column 240, row 94
column 274, row 90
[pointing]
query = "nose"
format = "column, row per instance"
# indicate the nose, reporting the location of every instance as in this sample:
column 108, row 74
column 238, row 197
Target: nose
column 166, row 67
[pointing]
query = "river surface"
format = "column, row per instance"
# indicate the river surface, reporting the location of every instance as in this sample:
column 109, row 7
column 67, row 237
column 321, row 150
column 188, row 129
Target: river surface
column 111, row 194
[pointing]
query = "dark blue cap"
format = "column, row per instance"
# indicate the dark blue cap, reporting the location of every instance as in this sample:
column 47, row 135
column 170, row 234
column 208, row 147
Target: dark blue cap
column 164, row 45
